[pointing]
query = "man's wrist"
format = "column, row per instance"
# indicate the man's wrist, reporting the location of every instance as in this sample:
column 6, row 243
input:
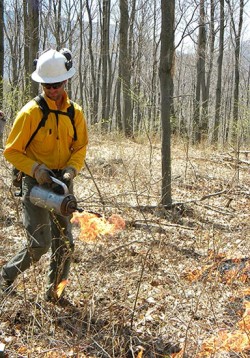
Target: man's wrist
column 35, row 169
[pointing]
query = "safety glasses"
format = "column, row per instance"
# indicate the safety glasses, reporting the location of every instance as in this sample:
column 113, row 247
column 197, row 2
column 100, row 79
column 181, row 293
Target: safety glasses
column 52, row 85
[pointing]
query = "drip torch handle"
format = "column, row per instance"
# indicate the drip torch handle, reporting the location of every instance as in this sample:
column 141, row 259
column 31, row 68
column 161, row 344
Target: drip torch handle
column 63, row 185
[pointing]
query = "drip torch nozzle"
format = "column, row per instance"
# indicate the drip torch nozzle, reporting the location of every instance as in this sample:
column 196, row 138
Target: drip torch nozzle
column 80, row 210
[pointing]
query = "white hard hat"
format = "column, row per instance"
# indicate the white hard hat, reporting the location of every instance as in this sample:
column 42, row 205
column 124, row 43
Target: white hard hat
column 51, row 67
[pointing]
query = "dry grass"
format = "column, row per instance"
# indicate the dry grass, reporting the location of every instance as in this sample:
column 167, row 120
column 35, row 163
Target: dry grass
column 132, row 291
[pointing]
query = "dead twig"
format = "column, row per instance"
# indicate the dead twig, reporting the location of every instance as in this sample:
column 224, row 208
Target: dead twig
column 138, row 224
column 177, row 204
column 97, row 188
column 218, row 210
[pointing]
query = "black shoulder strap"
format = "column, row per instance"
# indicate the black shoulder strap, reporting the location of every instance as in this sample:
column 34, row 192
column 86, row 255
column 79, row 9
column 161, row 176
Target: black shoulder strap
column 46, row 110
column 71, row 114
column 43, row 106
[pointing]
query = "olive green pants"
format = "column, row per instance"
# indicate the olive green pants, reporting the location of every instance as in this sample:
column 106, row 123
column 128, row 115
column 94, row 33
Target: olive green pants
column 45, row 230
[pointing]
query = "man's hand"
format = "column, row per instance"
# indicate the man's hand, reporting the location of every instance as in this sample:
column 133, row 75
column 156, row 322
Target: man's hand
column 42, row 174
column 68, row 174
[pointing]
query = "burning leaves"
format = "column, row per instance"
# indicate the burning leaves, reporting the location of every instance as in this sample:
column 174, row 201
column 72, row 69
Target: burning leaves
column 227, row 270
column 60, row 288
column 178, row 354
column 244, row 324
column 92, row 226
column 225, row 341
column 237, row 341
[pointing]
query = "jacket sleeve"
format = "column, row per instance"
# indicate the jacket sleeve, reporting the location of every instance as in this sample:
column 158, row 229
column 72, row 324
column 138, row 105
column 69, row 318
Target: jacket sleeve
column 19, row 136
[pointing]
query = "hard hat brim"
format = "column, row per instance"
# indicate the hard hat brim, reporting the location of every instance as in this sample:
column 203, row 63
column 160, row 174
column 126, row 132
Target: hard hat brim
column 35, row 77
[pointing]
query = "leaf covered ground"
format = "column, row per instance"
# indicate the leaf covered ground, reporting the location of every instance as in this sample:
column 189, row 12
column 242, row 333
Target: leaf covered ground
column 173, row 283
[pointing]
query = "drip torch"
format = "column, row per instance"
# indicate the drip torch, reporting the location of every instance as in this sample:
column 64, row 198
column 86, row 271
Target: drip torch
column 63, row 204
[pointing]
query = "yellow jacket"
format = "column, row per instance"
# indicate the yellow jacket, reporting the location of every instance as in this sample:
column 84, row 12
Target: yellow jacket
column 53, row 145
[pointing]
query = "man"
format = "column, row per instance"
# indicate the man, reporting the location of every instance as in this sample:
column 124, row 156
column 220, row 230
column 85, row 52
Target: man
column 56, row 151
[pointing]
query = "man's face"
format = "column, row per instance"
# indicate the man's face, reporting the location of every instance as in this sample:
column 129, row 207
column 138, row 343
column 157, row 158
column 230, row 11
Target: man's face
column 54, row 90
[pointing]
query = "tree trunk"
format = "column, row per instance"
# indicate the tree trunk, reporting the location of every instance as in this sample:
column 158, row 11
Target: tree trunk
column 118, row 101
column 26, row 46
column 80, row 65
column 152, row 113
column 57, row 8
column 124, row 69
column 33, row 11
column 166, row 86
column 219, row 75
column 237, row 43
column 237, row 65
column 200, row 117
column 105, row 62
column 210, row 64
column 95, row 88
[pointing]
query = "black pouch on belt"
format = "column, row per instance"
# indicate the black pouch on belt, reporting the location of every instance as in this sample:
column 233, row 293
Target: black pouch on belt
column 17, row 176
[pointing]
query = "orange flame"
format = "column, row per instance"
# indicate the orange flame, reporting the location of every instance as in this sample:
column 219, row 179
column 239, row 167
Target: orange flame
column 172, row 355
column 179, row 354
column 93, row 227
column 197, row 273
column 236, row 341
column 244, row 291
column 227, row 270
column 60, row 288
column 139, row 355
column 244, row 324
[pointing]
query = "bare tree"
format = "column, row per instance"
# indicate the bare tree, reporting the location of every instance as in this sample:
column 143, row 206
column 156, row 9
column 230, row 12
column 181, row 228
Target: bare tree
column 14, row 43
column 166, row 85
column 237, row 42
column 219, row 74
column 26, row 31
column 57, row 11
column 124, row 69
column 152, row 112
column 95, row 74
column 33, row 12
column 211, row 44
column 200, row 117
column 80, row 20
column 105, row 33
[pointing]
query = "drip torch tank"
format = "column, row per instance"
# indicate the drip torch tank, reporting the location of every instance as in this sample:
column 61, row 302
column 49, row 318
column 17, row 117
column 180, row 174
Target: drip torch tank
column 63, row 204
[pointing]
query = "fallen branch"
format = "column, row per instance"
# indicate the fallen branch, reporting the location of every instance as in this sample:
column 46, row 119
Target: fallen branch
column 218, row 210
column 236, row 160
column 178, row 204
column 138, row 224
column 218, row 193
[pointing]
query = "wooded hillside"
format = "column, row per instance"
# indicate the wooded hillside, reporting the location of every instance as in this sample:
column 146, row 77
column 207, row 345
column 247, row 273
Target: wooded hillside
column 168, row 282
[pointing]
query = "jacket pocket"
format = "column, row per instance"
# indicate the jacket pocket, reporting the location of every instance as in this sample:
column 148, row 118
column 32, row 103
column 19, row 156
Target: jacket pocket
column 44, row 140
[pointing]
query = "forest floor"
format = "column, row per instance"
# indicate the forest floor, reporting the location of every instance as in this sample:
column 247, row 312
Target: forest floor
column 172, row 283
